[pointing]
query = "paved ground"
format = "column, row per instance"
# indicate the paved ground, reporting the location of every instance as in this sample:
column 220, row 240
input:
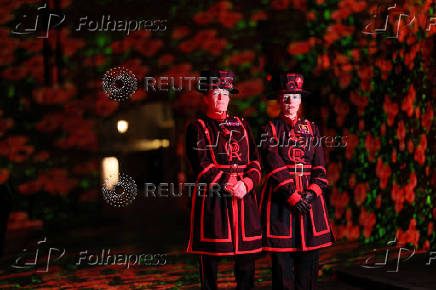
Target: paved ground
column 179, row 270
column 161, row 241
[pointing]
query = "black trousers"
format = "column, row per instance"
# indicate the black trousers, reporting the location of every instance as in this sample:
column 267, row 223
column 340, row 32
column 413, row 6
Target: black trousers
column 244, row 271
column 295, row 270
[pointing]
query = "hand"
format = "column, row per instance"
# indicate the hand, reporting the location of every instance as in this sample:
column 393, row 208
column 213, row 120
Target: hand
column 309, row 196
column 239, row 190
column 302, row 206
column 230, row 184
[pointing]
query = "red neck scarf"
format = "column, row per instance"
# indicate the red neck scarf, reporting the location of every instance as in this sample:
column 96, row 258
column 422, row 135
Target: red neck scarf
column 288, row 120
column 216, row 116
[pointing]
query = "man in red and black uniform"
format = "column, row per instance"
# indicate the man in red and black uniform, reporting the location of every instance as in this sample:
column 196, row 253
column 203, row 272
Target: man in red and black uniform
column 293, row 209
column 224, row 219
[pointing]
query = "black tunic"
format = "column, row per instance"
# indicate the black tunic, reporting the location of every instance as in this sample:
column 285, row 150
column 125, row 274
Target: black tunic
column 221, row 224
column 293, row 158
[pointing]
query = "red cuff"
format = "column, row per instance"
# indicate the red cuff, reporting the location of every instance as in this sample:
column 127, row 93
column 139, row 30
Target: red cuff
column 248, row 183
column 315, row 188
column 295, row 197
column 217, row 177
column 230, row 182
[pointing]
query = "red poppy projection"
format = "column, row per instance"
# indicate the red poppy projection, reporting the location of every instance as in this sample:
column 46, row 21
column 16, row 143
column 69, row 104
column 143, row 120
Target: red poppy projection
column 374, row 84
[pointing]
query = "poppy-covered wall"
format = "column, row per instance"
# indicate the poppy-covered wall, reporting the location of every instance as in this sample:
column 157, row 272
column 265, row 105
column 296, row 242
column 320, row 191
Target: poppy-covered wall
column 370, row 70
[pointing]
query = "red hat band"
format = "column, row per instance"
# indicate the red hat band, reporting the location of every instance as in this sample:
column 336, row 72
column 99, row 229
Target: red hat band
column 294, row 82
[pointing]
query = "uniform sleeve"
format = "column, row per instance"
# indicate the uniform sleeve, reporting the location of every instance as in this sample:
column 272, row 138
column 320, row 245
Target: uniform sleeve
column 318, row 177
column 200, row 158
column 283, row 182
column 252, row 174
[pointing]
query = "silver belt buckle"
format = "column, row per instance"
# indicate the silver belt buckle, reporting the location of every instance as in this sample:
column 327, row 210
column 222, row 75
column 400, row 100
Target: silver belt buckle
column 301, row 173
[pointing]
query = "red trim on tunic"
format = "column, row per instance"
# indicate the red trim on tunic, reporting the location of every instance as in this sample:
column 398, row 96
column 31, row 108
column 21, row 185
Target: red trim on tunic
column 322, row 179
column 256, row 162
column 193, row 206
column 305, row 166
column 250, row 251
column 206, row 132
column 317, row 247
column 229, row 230
column 315, row 232
column 273, row 129
column 275, row 170
column 310, row 127
column 245, row 238
column 283, row 183
column 271, row 249
column 262, row 194
column 265, row 185
column 230, row 166
column 303, row 236
column 316, row 167
column 246, row 139
column 235, row 222
column 315, row 187
column 218, row 176
column 294, row 198
column 226, row 253
column 254, row 169
column 248, row 183
column 268, row 222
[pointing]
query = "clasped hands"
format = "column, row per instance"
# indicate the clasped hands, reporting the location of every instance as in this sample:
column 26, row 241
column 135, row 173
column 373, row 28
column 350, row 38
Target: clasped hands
column 236, row 187
column 303, row 205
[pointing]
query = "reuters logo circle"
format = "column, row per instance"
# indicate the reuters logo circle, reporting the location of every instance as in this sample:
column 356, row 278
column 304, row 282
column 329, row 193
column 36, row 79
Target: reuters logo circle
column 120, row 194
column 119, row 84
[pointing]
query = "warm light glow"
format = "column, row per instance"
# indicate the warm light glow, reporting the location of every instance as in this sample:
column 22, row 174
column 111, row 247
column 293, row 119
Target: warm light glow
column 122, row 126
column 151, row 144
column 110, row 171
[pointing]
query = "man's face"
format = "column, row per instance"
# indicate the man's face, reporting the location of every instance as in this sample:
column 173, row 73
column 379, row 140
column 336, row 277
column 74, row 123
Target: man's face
column 217, row 100
column 290, row 103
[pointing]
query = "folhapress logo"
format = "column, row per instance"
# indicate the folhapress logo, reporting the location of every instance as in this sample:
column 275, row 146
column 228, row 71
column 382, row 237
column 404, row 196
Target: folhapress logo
column 40, row 24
